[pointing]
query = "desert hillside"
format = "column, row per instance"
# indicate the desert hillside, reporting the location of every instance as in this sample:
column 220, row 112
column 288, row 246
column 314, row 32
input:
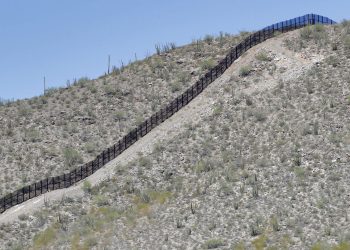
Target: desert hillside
column 52, row 134
column 259, row 160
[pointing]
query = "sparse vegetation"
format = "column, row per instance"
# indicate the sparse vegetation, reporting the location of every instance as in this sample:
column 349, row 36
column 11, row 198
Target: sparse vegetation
column 81, row 114
column 207, row 64
column 213, row 243
column 164, row 48
column 306, row 33
column 262, row 56
column 245, row 71
column 72, row 157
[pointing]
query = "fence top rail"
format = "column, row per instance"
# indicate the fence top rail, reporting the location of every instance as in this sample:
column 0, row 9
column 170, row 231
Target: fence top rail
column 301, row 20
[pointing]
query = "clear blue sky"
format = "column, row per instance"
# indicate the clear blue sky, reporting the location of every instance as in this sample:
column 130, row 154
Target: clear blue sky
column 68, row 39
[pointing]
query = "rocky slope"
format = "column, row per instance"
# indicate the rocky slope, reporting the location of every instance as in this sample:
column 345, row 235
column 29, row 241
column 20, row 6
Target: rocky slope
column 47, row 135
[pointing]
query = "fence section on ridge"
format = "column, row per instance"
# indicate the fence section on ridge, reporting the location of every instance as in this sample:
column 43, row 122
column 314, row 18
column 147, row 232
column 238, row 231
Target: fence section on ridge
column 80, row 173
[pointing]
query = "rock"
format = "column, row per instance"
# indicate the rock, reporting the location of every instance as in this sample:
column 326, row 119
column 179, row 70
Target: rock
column 180, row 61
column 86, row 119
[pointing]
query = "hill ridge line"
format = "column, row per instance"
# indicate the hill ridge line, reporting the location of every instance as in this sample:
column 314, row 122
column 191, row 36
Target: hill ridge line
column 80, row 173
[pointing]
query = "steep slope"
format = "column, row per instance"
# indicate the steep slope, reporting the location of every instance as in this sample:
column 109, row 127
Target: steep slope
column 263, row 161
column 47, row 135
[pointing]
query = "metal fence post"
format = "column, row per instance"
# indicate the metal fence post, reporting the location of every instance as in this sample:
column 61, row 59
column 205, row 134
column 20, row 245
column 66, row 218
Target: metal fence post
column 75, row 175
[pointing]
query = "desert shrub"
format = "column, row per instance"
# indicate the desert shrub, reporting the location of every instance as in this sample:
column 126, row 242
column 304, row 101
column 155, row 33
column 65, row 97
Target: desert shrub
column 262, row 56
column 263, row 162
column 335, row 139
column 207, row 64
column 119, row 115
column 23, row 217
column 145, row 197
column 203, row 166
column 110, row 90
column 255, row 191
column 306, row 33
column 4, row 102
column 91, row 241
column 50, row 91
column 158, row 49
column 320, row 246
column 218, row 109
column 245, row 71
column 44, row 238
column 24, row 110
column 213, row 243
column 346, row 25
column 255, row 229
column 260, row 242
column 260, row 115
column 101, row 200
column 342, row 246
column 208, row 39
column 310, row 87
column 92, row 88
column 306, row 130
column 319, row 28
column 299, row 172
column 71, row 157
column 31, row 135
column 183, row 77
column 274, row 224
column 87, row 187
column 316, row 33
column 347, row 42
column 332, row 60
column 9, row 131
column 82, row 81
column 145, row 162
column 164, row 48
column 315, row 128
column 248, row 101
column 90, row 147
column 175, row 86
column 334, row 46
column 296, row 158
column 243, row 33
column 319, row 35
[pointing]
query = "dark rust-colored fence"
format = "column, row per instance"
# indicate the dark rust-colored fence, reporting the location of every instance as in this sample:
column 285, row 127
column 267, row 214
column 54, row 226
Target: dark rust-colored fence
column 67, row 180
